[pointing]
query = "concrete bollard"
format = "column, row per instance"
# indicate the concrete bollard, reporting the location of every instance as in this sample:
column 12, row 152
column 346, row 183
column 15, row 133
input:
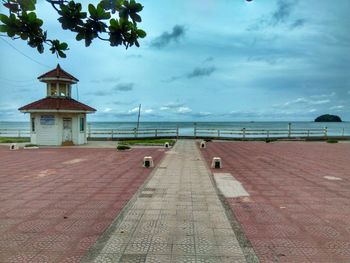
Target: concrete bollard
column 148, row 162
column 203, row 144
column 13, row 146
column 216, row 163
column 166, row 145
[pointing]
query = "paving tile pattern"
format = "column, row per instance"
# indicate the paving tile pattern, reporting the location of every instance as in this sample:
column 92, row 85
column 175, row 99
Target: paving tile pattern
column 177, row 217
column 293, row 213
column 55, row 203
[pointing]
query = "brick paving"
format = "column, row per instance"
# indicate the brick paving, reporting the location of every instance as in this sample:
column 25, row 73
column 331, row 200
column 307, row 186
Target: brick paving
column 294, row 213
column 177, row 217
column 55, row 203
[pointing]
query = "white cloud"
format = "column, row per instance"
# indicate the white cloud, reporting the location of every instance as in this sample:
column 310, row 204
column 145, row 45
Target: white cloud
column 183, row 110
column 107, row 110
column 306, row 101
column 134, row 110
column 339, row 107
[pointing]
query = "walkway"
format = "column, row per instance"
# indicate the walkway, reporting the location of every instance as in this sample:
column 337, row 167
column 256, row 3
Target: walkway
column 177, row 217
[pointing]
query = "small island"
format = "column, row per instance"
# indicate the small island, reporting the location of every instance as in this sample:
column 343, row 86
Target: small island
column 328, row 118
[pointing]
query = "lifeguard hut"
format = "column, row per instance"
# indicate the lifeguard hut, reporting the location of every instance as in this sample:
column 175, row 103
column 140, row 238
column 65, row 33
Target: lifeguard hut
column 58, row 119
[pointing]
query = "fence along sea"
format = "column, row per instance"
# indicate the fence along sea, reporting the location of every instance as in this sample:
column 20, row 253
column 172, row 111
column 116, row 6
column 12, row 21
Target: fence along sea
column 187, row 128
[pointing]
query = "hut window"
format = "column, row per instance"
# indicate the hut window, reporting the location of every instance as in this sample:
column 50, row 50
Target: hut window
column 62, row 90
column 33, row 124
column 53, row 89
column 82, row 124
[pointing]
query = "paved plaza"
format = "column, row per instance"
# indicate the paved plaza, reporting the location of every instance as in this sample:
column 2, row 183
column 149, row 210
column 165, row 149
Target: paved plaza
column 55, row 203
column 299, row 204
column 279, row 202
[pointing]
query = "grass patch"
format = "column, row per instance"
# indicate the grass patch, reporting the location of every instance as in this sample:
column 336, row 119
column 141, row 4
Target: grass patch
column 147, row 142
column 13, row 140
column 332, row 141
column 30, row 145
column 123, row 147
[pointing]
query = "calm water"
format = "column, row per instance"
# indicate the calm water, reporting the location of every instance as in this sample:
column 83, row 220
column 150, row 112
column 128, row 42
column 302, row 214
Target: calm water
column 186, row 128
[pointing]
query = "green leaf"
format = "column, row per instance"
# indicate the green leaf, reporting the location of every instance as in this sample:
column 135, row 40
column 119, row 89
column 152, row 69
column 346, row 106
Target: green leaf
column 63, row 46
column 4, row 18
column 61, row 54
column 3, row 28
column 27, row 5
column 31, row 17
column 141, row 33
column 79, row 36
column 136, row 17
column 92, row 10
column 24, row 36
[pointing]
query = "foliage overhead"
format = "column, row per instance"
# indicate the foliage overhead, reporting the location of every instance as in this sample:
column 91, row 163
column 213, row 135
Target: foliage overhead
column 114, row 21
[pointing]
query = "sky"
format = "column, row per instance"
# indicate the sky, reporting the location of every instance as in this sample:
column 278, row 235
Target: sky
column 202, row 60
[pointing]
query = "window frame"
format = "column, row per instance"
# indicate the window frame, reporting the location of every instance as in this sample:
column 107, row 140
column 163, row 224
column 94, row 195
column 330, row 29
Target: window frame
column 82, row 124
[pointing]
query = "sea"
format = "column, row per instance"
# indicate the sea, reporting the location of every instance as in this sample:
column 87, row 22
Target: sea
column 187, row 128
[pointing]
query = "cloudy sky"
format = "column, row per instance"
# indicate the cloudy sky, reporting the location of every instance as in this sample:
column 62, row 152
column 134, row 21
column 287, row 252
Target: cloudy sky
column 203, row 60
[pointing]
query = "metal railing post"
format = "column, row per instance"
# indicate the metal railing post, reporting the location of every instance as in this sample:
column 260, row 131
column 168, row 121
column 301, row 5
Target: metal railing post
column 156, row 132
column 19, row 133
column 325, row 131
column 268, row 133
column 177, row 132
column 218, row 133
column 195, row 130
column 89, row 130
column 343, row 133
column 112, row 133
column 289, row 129
column 243, row 133
column 308, row 133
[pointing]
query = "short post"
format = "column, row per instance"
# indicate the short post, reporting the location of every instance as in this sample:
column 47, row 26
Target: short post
column 13, row 146
column 343, row 133
column 89, row 130
column 289, row 129
column 195, row 130
column 216, row 163
column 156, row 132
column 112, row 134
column 135, row 133
column 243, row 130
column 148, row 162
column 268, row 133
column 19, row 133
column 308, row 133
column 218, row 133
column 325, row 131
column 177, row 132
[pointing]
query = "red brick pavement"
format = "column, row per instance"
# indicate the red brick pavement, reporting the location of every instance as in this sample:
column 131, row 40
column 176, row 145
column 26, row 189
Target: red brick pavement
column 54, row 203
column 293, row 213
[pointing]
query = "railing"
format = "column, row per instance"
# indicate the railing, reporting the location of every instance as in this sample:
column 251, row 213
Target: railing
column 254, row 133
column 104, row 133
column 14, row 133
column 132, row 133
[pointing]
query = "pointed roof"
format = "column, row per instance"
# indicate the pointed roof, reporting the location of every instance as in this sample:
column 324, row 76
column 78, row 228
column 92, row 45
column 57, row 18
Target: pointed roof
column 57, row 104
column 58, row 73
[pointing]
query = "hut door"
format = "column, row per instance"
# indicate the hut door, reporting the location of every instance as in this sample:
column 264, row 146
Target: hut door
column 67, row 129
